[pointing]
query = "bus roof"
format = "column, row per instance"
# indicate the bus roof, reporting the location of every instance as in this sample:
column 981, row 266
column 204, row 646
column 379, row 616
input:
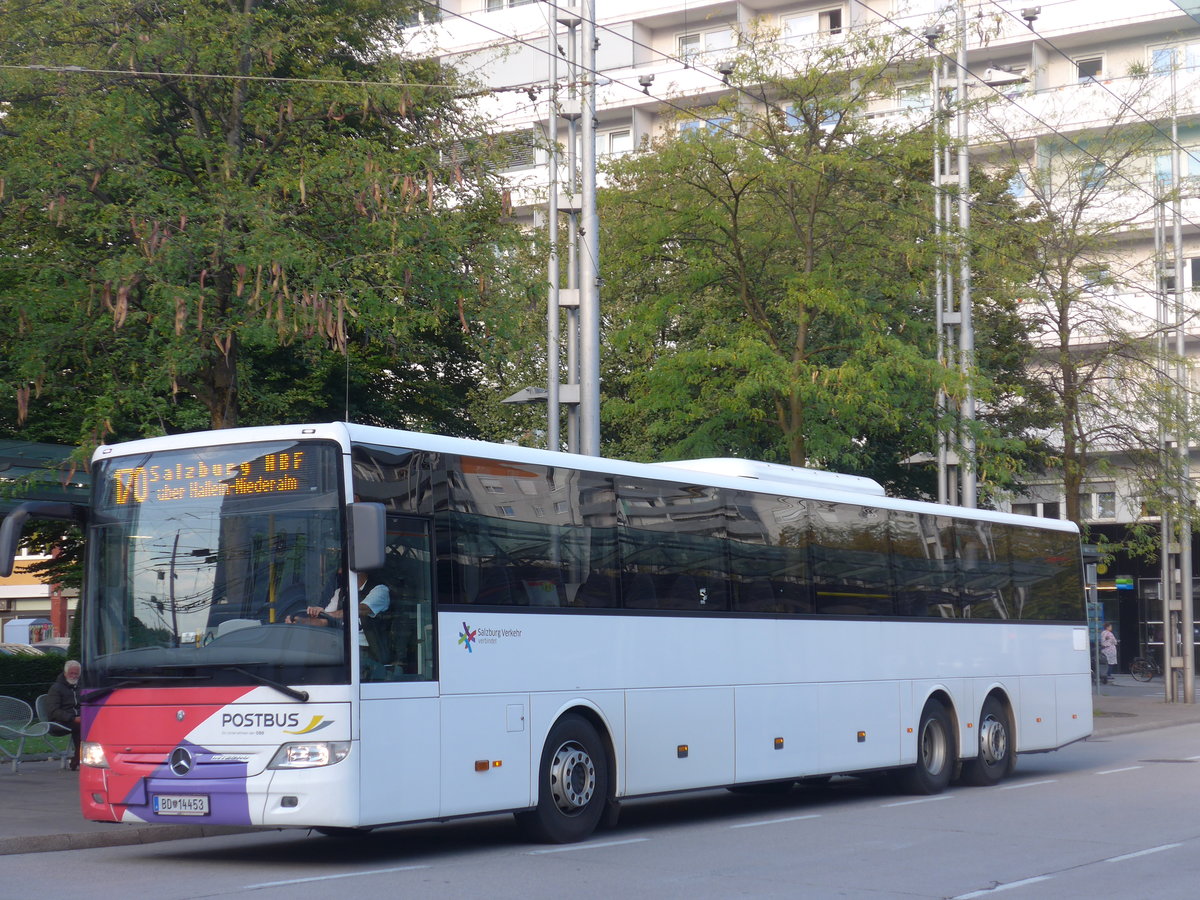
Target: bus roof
column 728, row 473
column 763, row 471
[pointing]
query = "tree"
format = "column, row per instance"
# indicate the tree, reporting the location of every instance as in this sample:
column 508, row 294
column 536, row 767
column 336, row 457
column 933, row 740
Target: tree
column 768, row 272
column 214, row 213
column 1099, row 354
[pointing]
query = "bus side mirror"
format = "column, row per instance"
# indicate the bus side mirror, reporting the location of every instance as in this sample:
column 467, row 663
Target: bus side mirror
column 10, row 529
column 368, row 536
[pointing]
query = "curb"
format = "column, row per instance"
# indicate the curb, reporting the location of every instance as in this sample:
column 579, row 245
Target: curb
column 120, row 836
column 1131, row 727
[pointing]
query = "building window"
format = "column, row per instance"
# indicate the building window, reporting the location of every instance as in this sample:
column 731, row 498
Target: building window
column 494, row 5
column 1098, row 505
column 1045, row 509
column 1097, row 281
column 1191, row 276
column 614, row 143
column 824, row 21
column 424, row 13
column 698, row 43
column 1089, row 68
column 520, row 150
column 914, row 96
column 1189, row 166
column 794, row 118
column 1092, row 176
column 711, row 125
column 1182, row 56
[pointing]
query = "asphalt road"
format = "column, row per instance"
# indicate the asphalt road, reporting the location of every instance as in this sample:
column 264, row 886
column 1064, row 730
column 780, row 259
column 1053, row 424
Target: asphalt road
column 1111, row 817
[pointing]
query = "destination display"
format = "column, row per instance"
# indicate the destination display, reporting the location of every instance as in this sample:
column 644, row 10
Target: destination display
column 217, row 473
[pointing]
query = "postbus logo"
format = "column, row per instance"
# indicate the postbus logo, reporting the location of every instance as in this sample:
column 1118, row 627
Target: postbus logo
column 466, row 637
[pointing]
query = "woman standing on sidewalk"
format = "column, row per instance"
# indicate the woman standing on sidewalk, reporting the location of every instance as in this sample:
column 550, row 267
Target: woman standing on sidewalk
column 1108, row 649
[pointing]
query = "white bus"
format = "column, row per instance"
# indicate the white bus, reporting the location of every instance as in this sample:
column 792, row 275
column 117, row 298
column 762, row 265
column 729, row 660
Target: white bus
column 542, row 633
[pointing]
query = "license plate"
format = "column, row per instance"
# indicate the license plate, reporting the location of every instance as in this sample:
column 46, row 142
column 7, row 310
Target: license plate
column 179, row 805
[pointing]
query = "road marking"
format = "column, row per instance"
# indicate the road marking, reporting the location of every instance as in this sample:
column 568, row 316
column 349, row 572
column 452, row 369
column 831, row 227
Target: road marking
column 595, row 846
column 1002, row 887
column 911, row 802
column 1143, row 853
column 776, row 821
column 1025, row 784
column 1115, row 771
column 269, row 884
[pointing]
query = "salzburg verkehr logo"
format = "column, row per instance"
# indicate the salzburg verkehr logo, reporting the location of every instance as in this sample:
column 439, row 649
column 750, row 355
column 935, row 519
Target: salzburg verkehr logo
column 466, row 637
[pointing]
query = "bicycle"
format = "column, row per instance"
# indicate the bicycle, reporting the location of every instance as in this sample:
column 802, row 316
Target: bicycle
column 1144, row 668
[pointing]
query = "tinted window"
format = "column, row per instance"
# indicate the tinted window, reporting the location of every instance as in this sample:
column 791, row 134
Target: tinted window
column 529, row 536
column 672, row 544
column 1047, row 575
column 923, row 569
column 769, row 554
column 404, row 480
column 850, row 559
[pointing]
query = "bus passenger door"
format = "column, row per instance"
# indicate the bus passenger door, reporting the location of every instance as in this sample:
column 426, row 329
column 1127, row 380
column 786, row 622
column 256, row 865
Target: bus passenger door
column 399, row 712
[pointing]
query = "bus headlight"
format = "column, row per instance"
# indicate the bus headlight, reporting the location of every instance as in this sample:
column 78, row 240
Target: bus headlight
column 310, row 754
column 91, row 754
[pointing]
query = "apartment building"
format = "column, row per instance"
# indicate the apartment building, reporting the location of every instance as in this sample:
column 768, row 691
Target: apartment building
column 1053, row 74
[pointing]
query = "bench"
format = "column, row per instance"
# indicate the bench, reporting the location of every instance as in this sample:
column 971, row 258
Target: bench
column 17, row 724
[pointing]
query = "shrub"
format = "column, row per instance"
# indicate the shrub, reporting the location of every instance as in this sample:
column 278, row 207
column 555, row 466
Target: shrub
column 25, row 677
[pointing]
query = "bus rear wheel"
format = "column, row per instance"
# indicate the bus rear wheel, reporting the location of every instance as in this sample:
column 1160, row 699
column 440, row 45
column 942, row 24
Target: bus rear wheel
column 996, row 757
column 935, row 752
column 572, row 784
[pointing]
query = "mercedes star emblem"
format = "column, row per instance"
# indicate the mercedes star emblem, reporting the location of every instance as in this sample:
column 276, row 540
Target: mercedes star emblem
column 181, row 760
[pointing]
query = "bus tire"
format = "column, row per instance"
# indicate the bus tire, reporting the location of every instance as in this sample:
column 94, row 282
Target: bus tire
column 996, row 757
column 935, row 752
column 572, row 784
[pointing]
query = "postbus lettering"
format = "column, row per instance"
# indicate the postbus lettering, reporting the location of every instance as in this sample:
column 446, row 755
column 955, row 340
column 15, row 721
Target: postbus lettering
column 259, row 720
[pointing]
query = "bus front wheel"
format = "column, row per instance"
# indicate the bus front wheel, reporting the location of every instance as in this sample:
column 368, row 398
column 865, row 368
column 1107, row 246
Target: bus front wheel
column 996, row 757
column 935, row 751
column 572, row 784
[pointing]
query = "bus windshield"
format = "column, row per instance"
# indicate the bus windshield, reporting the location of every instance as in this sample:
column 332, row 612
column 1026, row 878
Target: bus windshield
column 202, row 563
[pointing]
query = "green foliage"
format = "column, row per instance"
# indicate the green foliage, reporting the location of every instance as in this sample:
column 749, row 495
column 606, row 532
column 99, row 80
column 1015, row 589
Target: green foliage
column 236, row 214
column 26, row 677
column 1100, row 384
column 769, row 279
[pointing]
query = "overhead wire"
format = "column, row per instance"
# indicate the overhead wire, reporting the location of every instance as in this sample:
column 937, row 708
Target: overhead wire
column 733, row 133
column 1036, row 118
column 533, row 87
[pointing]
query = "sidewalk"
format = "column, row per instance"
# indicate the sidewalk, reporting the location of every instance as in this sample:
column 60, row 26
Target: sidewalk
column 39, row 808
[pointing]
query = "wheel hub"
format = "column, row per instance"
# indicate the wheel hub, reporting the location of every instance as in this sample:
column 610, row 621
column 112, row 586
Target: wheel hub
column 993, row 741
column 933, row 747
column 572, row 778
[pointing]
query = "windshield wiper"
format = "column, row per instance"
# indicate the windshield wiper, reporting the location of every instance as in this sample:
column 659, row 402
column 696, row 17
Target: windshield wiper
column 89, row 696
column 302, row 696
